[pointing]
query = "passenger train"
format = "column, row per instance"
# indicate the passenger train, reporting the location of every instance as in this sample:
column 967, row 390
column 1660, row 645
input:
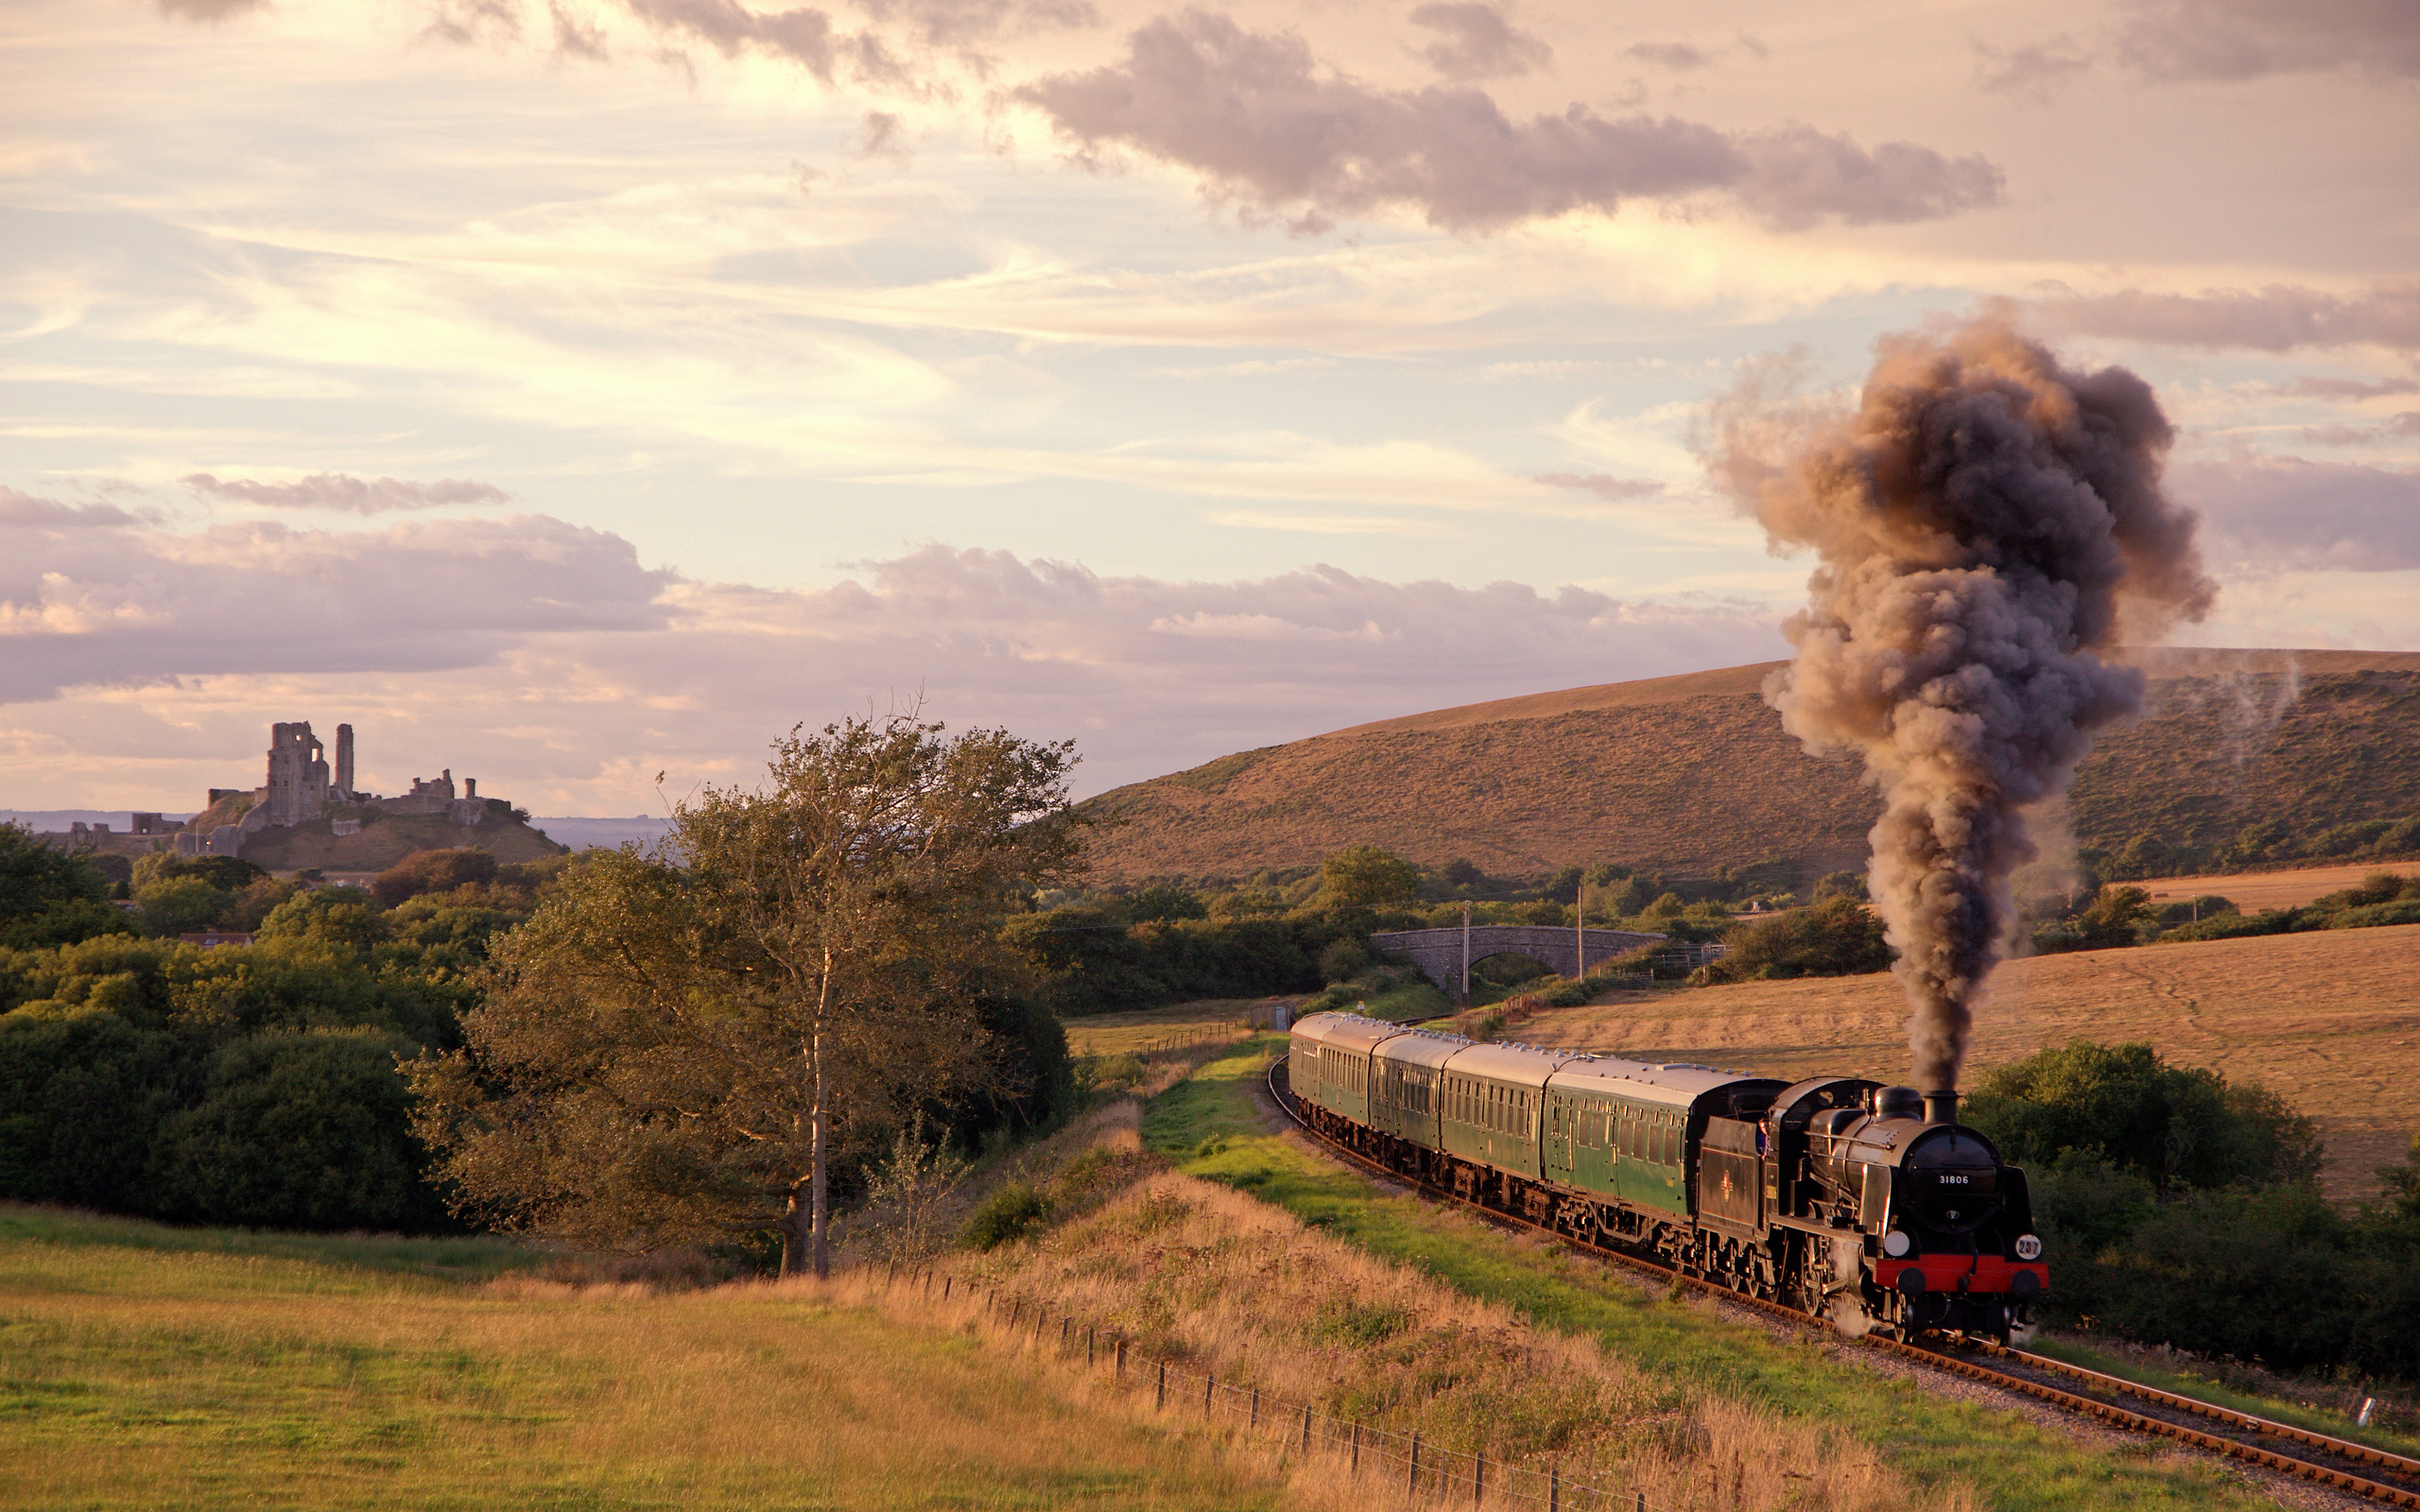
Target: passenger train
column 1839, row 1197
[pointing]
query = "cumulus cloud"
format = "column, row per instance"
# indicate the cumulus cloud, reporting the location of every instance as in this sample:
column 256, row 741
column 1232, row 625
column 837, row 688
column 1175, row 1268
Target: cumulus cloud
column 802, row 35
column 958, row 23
column 2033, row 73
column 558, row 634
column 2277, row 319
column 1476, row 41
column 1265, row 127
column 87, row 597
column 2193, row 40
column 1603, row 485
column 2289, row 513
column 346, row 494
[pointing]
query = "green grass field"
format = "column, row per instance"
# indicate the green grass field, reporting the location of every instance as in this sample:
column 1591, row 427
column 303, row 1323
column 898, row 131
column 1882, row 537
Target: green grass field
column 143, row 1367
column 1211, row 1126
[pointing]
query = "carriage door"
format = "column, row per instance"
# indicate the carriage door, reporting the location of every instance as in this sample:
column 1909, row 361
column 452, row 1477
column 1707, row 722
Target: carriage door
column 1560, row 1111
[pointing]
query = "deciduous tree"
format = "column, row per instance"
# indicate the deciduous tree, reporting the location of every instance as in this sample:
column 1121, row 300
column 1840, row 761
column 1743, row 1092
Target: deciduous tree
column 673, row 1049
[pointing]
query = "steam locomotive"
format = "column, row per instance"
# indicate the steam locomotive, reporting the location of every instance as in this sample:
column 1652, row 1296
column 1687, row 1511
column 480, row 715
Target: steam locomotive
column 1839, row 1197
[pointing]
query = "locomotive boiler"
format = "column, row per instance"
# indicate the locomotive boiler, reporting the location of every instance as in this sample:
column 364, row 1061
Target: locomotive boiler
column 1837, row 1195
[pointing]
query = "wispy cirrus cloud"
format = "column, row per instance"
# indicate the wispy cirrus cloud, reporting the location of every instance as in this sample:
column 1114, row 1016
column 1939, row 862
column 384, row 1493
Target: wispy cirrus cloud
column 343, row 493
column 2278, row 318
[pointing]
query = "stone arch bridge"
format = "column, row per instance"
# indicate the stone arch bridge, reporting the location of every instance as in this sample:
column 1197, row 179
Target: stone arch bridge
column 1446, row 956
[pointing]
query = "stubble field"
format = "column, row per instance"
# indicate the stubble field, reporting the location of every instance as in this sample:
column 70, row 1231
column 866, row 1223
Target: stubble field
column 2331, row 1020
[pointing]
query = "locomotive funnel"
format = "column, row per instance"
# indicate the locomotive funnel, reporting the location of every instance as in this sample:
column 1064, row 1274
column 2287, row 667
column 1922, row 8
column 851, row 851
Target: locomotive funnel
column 1941, row 1106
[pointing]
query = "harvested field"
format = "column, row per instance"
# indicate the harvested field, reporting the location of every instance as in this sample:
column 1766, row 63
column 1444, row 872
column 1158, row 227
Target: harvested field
column 2331, row 1020
column 1110, row 1034
column 2254, row 891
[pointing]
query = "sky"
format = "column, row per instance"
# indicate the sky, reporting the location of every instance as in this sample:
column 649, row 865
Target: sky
column 572, row 393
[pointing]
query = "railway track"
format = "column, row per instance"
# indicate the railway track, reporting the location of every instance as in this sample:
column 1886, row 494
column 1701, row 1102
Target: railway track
column 2298, row 1452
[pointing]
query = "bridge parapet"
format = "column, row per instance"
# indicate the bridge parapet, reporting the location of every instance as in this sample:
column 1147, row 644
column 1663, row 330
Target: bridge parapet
column 1438, row 953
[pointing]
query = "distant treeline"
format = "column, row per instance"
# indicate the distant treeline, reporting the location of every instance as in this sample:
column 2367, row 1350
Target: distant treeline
column 260, row 1085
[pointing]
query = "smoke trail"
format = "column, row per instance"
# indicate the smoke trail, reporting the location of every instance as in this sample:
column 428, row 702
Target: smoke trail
column 1988, row 525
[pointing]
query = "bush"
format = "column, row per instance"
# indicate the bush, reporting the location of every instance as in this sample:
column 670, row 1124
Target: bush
column 176, row 904
column 1006, row 1216
column 2172, row 1127
column 1342, row 961
column 298, row 1131
column 1838, row 936
column 433, row 872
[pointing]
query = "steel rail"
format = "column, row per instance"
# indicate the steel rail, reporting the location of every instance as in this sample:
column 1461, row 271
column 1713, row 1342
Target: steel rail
column 2109, row 1413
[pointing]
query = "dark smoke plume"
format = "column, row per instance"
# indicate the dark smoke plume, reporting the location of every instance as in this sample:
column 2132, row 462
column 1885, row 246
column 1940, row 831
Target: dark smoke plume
column 1989, row 524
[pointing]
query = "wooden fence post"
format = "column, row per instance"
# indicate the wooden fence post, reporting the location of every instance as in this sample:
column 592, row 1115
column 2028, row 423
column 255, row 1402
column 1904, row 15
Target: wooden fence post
column 1209, row 1384
column 1122, row 1359
column 1413, row 1488
column 1554, row 1489
column 1306, row 1430
column 1254, row 1420
column 1478, row 1478
column 1162, row 1399
column 1355, row 1466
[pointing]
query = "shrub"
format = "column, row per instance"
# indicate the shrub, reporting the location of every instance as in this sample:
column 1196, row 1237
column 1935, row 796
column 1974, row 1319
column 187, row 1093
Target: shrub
column 433, row 872
column 2173, row 1126
column 1838, row 936
column 298, row 1131
column 1007, row 1216
column 1343, row 961
column 180, row 903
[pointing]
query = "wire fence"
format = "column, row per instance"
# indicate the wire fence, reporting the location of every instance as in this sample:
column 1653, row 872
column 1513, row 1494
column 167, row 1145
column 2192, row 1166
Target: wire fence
column 1391, row 1460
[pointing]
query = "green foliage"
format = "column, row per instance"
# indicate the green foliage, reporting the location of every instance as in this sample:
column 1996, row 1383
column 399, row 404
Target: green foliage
column 298, row 1131
column 2403, row 1184
column 1089, row 960
column 49, row 897
column 2172, row 1127
column 176, row 904
column 1343, row 959
column 1006, row 1216
column 1363, row 875
column 1357, row 1325
column 1841, row 885
column 1838, row 936
column 2276, row 1275
column 433, row 872
column 226, row 873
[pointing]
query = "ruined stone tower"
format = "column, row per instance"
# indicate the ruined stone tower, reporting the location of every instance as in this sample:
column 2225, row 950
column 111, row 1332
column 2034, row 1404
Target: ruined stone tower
column 344, row 763
column 298, row 775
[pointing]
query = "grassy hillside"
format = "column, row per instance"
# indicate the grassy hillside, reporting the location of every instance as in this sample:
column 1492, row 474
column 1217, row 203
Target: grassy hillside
column 1688, row 773
column 146, row 1366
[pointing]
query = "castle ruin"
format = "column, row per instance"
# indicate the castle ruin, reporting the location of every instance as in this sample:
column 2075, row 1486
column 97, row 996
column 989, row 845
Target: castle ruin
column 299, row 787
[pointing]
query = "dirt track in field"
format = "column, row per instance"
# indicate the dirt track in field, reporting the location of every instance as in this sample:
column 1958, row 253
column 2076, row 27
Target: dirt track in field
column 2331, row 1020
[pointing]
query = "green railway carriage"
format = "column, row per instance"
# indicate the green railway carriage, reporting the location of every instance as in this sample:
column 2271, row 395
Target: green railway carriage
column 1328, row 1064
column 1407, row 1091
column 1635, row 1130
column 1493, row 1096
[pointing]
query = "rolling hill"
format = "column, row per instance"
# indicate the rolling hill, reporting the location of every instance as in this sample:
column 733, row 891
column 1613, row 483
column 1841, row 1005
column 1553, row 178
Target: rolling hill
column 2243, row 757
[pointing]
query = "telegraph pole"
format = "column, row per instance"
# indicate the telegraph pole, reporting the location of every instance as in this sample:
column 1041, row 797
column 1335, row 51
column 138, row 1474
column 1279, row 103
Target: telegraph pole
column 1466, row 953
column 1579, row 929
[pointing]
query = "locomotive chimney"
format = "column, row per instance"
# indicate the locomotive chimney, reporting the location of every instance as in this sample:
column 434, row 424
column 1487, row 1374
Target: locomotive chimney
column 1941, row 1106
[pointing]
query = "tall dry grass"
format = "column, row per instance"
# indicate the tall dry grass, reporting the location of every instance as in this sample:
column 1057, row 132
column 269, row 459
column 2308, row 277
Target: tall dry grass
column 1225, row 1287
